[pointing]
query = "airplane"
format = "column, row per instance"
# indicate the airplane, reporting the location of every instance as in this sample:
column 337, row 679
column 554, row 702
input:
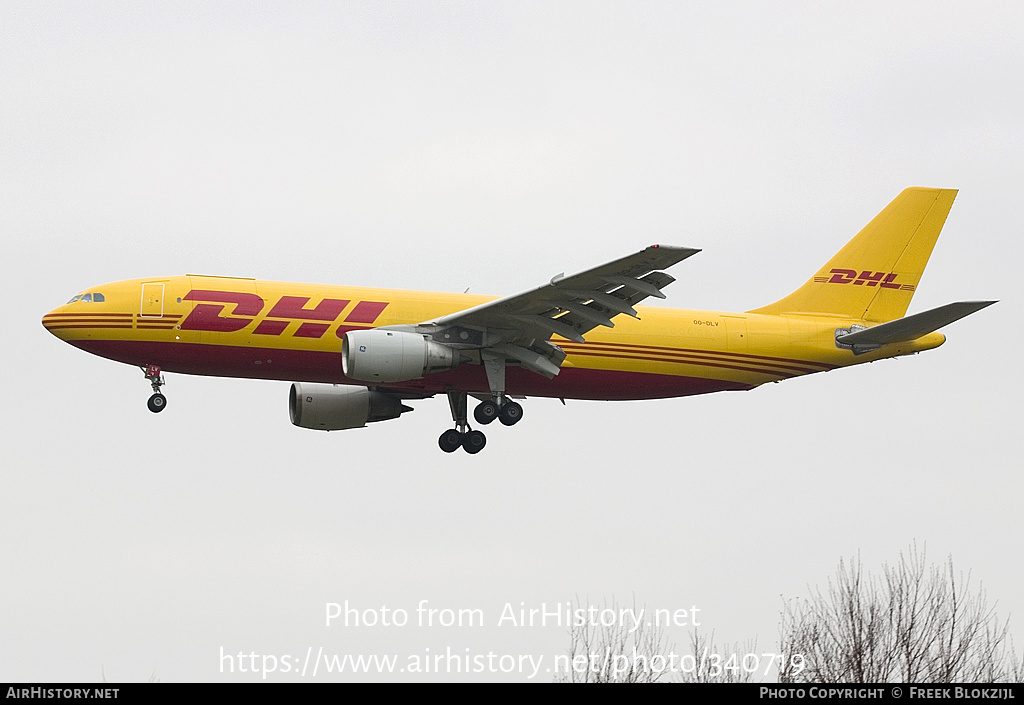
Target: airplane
column 356, row 355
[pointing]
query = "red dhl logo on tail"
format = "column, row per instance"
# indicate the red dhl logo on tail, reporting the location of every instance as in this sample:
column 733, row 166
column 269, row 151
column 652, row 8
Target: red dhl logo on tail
column 206, row 316
column 886, row 280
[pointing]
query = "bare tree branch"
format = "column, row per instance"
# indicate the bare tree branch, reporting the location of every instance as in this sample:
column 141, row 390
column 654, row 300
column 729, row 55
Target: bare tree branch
column 917, row 623
column 620, row 652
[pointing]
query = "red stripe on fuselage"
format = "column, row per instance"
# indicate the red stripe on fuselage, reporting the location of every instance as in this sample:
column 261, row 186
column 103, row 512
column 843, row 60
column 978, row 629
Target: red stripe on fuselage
column 316, row 366
column 736, row 356
column 67, row 314
column 125, row 326
column 698, row 362
column 708, row 359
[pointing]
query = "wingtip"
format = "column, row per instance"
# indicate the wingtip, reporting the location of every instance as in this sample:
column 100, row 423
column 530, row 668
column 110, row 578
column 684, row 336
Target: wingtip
column 677, row 248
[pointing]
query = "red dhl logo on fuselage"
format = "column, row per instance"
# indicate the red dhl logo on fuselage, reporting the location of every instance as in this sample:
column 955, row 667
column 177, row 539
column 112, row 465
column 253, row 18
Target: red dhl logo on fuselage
column 206, row 315
column 886, row 280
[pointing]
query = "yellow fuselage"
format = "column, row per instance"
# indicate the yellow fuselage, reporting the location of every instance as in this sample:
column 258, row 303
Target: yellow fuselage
column 275, row 330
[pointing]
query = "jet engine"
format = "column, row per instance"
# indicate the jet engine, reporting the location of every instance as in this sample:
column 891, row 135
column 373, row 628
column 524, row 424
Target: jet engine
column 333, row 407
column 382, row 356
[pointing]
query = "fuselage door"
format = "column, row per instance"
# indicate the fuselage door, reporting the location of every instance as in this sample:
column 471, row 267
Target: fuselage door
column 736, row 327
column 152, row 304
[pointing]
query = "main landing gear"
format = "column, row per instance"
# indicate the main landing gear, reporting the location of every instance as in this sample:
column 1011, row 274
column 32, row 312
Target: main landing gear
column 508, row 411
column 157, row 402
column 502, row 408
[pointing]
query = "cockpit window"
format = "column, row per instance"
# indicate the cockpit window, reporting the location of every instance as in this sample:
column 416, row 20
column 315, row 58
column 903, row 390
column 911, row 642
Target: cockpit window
column 91, row 297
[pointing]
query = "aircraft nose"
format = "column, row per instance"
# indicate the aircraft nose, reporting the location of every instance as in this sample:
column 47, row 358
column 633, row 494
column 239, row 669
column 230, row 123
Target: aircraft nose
column 91, row 315
column 53, row 321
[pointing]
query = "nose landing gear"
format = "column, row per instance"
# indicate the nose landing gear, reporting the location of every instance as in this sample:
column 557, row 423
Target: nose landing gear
column 157, row 402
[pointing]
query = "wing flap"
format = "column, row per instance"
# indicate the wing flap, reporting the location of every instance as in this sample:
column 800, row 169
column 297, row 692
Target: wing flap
column 629, row 279
column 517, row 327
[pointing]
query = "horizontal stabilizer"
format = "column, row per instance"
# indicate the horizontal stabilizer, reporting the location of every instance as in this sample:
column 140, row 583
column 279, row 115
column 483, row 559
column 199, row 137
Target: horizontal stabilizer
column 911, row 327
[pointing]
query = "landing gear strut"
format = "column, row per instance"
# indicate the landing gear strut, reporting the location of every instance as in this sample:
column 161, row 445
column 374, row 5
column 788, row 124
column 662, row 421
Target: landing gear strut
column 498, row 407
column 157, row 402
column 501, row 408
column 461, row 436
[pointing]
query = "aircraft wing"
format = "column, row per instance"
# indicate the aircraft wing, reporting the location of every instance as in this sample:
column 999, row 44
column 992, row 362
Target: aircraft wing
column 516, row 328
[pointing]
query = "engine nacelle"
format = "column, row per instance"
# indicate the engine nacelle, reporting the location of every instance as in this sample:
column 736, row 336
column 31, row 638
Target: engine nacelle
column 382, row 356
column 334, row 407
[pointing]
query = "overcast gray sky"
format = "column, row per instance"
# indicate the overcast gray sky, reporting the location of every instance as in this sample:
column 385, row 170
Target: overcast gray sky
column 441, row 146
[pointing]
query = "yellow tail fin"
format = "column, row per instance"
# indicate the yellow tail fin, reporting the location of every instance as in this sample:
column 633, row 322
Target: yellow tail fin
column 874, row 277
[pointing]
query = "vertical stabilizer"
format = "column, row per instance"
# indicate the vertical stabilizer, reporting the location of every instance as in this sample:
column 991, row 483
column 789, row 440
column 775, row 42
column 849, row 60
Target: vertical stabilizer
column 874, row 277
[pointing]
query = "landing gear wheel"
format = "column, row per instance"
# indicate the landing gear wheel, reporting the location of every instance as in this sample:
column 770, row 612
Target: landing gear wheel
column 485, row 412
column 157, row 403
column 450, row 440
column 510, row 413
column 474, row 442
column 471, row 441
